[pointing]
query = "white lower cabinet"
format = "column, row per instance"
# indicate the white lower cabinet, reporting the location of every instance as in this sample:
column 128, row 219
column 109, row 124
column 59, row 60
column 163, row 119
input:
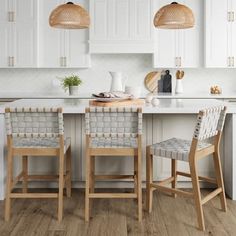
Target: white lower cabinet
column 180, row 48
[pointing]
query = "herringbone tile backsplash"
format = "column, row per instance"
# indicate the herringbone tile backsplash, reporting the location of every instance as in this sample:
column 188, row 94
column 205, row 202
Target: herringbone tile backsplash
column 97, row 78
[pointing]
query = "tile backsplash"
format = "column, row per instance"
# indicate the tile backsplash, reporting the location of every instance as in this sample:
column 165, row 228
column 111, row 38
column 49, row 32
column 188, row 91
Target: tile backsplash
column 97, row 78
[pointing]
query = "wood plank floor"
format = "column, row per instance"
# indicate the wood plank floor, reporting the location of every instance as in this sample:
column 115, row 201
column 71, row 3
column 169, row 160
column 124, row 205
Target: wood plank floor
column 112, row 217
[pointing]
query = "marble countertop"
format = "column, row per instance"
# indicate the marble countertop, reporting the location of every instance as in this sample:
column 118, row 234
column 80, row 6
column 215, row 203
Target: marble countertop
column 166, row 106
column 32, row 95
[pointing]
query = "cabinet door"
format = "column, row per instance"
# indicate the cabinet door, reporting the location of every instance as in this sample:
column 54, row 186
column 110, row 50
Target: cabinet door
column 143, row 18
column 77, row 49
column 25, row 33
column 165, row 44
column 76, row 45
column 216, row 33
column 99, row 19
column 232, row 5
column 5, row 45
column 190, row 52
column 5, row 32
column 51, row 40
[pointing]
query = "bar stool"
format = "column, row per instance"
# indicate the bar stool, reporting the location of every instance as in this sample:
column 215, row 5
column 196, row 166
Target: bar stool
column 113, row 132
column 210, row 124
column 36, row 132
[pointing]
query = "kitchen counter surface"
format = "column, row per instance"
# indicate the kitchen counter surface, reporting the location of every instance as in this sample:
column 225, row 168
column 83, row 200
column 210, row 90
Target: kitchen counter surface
column 30, row 95
column 166, row 106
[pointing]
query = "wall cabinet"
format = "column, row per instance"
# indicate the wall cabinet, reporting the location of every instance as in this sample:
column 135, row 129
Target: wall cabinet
column 18, row 33
column 121, row 26
column 58, row 47
column 179, row 48
column 220, row 33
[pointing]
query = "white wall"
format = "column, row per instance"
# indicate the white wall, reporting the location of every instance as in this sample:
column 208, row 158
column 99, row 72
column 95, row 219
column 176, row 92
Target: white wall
column 97, row 78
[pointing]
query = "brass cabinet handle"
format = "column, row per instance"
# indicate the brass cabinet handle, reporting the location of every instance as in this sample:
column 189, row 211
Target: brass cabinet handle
column 229, row 16
column 11, row 61
column 229, row 61
column 61, row 61
column 65, row 62
column 11, row 16
column 232, row 16
column 180, row 61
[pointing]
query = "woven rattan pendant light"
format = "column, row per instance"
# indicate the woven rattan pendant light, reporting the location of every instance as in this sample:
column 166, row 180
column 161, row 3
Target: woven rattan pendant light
column 69, row 16
column 174, row 16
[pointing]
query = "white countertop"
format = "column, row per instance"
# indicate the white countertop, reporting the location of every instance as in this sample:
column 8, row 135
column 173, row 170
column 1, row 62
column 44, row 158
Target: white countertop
column 31, row 95
column 166, row 106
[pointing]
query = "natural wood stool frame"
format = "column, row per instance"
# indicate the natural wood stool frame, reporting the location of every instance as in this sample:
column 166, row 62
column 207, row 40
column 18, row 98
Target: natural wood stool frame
column 194, row 156
column 91, row 177
column 25, row 177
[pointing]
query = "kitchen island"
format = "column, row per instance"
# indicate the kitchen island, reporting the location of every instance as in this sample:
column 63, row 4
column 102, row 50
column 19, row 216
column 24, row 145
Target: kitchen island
column 171, row 118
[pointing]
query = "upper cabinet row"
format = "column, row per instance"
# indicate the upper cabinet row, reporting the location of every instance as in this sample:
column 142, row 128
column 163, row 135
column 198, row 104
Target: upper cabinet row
column 117, row 26
column 27, row 40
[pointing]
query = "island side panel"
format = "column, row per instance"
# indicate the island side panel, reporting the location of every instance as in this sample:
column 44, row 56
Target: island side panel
column 2, row 157
column 229, row 166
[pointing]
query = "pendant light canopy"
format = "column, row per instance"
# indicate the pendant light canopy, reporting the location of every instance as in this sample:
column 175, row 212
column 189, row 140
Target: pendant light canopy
column 174, row 16
column 69, row 16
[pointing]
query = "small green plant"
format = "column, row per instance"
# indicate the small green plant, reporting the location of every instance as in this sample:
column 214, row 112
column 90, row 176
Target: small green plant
column 73, row 80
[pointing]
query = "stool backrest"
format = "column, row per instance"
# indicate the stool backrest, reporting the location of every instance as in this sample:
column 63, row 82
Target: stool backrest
column 210, row 122
column 113, row 121
column 34, row 122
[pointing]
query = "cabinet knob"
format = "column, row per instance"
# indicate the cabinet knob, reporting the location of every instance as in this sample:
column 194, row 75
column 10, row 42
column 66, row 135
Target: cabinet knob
column 232, row 16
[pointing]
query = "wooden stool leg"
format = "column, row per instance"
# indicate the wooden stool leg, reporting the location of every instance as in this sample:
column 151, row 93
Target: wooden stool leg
column 135, row 174
column 219, row 179
column 92, row 169
column 92, row 180
column 61, row 186
column 197, row 194
column 25, row 173
column 139, row 178
column 87, row 186
column 173, row 174
column 149, row 179
column 8, row 185
column 68, row 172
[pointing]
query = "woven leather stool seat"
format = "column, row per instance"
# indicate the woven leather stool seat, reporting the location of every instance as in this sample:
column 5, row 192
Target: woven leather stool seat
column 175, row 148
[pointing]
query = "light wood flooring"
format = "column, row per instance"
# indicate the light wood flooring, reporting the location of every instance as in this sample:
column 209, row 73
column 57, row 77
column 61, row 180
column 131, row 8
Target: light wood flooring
column 111, row 217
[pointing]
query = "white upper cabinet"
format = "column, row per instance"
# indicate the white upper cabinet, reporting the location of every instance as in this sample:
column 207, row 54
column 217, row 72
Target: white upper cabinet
column 121, row 26
column 219, row 33
column 18, row 33
column 179, row 48
column 61, row 48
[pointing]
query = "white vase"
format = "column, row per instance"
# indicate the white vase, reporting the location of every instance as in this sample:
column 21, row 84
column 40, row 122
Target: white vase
column 117, row 82
column 74, row 90
column 179, row 86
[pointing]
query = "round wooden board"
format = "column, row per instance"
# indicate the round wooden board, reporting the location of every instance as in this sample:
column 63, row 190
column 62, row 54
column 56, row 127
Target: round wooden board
column 151, row 81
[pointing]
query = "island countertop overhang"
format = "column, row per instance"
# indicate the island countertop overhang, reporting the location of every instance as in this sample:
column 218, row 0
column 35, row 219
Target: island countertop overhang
column 166, row 106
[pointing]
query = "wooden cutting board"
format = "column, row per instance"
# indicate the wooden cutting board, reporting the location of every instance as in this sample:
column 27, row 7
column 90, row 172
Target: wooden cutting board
column 125, row 103
column 151, row 81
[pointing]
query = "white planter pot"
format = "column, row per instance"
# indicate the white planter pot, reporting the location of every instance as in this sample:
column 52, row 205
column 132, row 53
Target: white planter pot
column 74, row 90
column 179, row 86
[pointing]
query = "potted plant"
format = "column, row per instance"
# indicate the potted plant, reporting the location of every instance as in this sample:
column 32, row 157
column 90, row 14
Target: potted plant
column 72, row 83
